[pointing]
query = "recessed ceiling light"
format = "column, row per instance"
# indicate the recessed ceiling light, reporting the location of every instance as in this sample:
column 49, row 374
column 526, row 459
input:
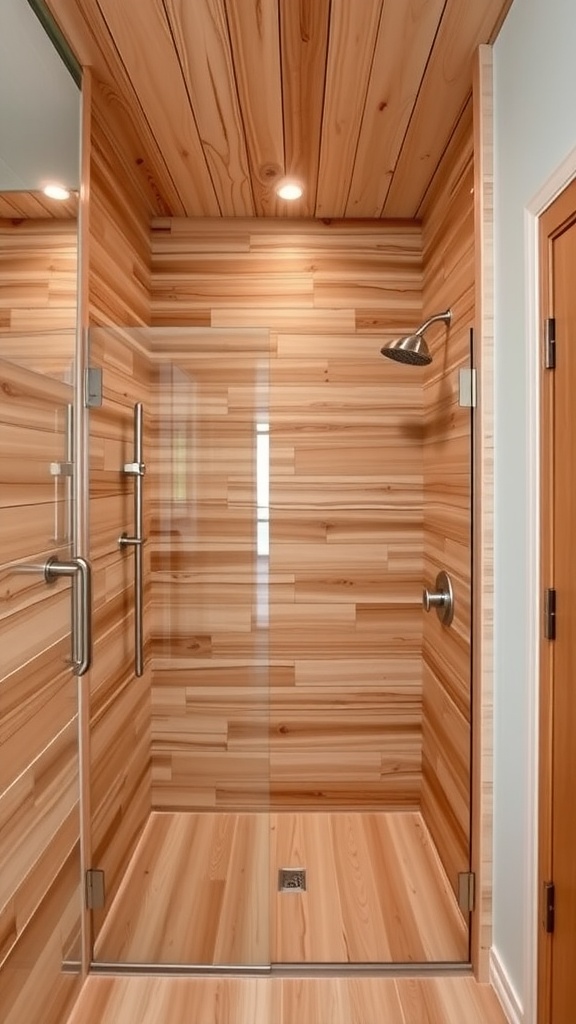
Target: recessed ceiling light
column 288, row 188
column 56, row 192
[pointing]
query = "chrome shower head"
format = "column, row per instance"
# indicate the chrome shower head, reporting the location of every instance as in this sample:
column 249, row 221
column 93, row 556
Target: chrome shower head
column 412, row 348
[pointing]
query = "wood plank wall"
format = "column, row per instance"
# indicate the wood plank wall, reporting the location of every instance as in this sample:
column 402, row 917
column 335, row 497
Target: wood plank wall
column 38, row 269
column 345, row 571
column 40, row 876
column 118, row 253
column 449, row 281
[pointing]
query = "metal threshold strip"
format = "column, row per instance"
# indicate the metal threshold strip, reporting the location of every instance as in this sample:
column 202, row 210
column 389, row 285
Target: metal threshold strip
column 295, row 970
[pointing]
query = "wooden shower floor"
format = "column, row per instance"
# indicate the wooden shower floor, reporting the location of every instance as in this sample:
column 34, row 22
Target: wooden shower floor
column 202, row 889
column 441, row 1000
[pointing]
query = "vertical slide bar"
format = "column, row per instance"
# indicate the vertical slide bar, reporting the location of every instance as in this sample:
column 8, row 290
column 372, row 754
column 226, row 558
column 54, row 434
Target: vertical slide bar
column 139, row 524
column 137, row 470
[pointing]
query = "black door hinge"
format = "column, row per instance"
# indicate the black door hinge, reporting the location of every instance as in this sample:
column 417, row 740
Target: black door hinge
column 550, row 343
column 549, row 907
column 550, row 613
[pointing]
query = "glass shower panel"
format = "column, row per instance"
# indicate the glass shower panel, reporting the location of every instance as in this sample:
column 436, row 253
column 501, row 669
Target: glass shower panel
column 40, row 868
column 197, row 891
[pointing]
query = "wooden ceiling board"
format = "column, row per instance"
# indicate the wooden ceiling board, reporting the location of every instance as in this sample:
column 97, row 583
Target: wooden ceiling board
column 88, row 36
column 352, row 42
column 202, row 41
column 254, row 31
column 445, row 89
column 304, row 28
column 214, row 100
column 405, row 38
column 146, row 48
column 36, row 206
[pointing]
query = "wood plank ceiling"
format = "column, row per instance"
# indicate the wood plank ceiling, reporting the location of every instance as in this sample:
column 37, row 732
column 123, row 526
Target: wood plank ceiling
column 222, row 98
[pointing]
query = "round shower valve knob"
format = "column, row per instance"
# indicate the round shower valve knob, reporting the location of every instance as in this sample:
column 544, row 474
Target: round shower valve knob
column 442, row 599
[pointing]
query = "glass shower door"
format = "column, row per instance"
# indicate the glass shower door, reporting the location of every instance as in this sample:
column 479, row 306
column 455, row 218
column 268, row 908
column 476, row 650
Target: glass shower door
column 196, row 890
column 40, row 867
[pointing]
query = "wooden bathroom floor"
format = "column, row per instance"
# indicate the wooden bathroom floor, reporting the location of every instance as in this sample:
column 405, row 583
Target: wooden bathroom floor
column 135, row 1000
column 202, row 889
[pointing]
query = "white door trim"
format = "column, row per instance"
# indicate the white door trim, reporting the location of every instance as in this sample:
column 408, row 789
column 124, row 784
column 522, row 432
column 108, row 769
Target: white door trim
column 555, row 184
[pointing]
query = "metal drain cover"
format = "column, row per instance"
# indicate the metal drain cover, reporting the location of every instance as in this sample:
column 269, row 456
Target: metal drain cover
column 292, row 880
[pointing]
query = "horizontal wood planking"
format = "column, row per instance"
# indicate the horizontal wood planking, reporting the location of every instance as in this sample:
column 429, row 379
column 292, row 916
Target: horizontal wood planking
column 232, row 912
column 346, row 516
column 40, row 880
column 33, row 985
column 442, row 1000
column 38, row 276
column 118, row 269
column 449, row 268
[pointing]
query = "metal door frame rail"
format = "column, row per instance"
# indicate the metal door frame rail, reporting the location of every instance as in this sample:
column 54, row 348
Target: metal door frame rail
column 286, row 970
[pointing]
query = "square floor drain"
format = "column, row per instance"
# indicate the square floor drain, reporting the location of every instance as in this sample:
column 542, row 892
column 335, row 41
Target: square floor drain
column 292, row 880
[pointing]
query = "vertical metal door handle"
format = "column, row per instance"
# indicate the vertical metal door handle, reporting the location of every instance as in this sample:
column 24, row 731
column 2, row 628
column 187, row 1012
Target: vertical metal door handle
column 81, row 573
column 137, row 470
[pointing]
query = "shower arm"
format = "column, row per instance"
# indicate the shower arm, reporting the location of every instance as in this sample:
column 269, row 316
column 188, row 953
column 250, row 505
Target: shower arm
column 445, row 317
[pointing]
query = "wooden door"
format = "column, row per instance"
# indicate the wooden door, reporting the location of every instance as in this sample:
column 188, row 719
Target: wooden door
column 557, row 946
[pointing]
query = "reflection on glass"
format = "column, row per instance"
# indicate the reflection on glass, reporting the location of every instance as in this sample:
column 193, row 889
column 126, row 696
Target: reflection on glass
column 263, row 489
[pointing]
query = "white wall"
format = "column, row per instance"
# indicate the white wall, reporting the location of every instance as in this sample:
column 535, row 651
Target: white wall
column 535, row 129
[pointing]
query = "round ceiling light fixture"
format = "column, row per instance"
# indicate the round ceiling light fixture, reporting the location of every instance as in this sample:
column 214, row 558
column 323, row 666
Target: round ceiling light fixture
column 54, row 191
column 289, row 188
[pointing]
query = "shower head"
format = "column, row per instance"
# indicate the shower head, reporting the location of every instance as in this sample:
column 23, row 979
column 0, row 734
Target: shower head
column 412, row 348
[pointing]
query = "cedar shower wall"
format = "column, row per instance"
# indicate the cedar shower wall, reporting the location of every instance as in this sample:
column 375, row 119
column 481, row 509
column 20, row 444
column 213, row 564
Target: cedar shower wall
column 448, row 234
column 344, row 638
column 118, row 253
column 38, row 267
column 40, row 881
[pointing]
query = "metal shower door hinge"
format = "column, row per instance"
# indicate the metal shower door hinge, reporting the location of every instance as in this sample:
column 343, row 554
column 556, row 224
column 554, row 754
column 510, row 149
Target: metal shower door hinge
column 93, row 387
column 61, row 469
column 466, row 891
column 95, row 889
column 467, row 388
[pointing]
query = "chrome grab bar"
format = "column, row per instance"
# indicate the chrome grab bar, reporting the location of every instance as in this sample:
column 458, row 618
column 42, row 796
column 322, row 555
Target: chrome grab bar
column 79, row 570
column 137, row 470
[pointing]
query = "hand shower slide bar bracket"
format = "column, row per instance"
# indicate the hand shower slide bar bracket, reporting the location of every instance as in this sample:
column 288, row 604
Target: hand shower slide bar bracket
column 80, row 572
column 134, row 469
column 137, row 469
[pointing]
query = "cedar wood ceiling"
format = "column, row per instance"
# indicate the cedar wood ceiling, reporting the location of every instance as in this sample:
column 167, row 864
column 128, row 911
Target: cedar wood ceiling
column 221, row 98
